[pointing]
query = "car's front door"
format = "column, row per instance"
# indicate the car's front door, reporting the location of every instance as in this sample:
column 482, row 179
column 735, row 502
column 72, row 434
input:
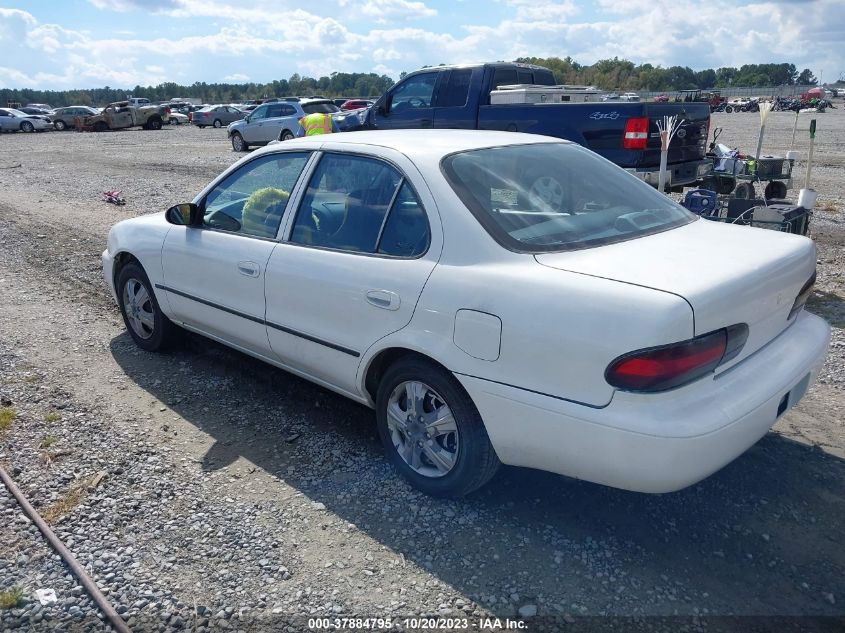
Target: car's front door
column 408, row 105
column 355, row 261
column 251, row 129
column 214, row 275
column 271, row 125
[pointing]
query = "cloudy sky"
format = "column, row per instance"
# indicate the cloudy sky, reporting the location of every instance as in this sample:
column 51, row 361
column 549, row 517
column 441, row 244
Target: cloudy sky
column 90, row 43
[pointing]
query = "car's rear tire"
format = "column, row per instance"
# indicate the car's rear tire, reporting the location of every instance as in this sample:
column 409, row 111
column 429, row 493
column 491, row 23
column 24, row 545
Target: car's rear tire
column 287, row 135
column 60, row 125
column 101, row 126
column 217, row 123
column 154, row 124
column 146, row 323
column 431, row 430
column 27, row 126
column 201, row 126
column 729, row 109
column 238, row 143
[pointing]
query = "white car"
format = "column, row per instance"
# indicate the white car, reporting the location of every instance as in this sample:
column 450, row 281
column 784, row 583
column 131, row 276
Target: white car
column 496, row 297
column 12, row 120
column 177, row 118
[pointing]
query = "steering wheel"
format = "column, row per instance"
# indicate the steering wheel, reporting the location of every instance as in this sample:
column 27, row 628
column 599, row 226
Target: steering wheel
column 416, row 102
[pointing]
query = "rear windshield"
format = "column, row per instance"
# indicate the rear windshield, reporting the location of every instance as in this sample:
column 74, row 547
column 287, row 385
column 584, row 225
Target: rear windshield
column 325, row 107
column 557, row 196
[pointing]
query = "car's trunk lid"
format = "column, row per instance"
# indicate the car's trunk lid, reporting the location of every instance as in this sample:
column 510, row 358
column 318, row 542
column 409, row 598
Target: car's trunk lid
column 727, row 274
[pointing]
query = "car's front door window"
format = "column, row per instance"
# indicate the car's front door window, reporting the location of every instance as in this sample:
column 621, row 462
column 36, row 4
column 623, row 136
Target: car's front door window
column 415, row 93
column 258, row 113
column 252, row 200
column 361, row 205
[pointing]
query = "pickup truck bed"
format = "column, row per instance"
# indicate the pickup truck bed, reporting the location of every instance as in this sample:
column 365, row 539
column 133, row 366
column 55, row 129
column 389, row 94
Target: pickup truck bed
column 459, row 97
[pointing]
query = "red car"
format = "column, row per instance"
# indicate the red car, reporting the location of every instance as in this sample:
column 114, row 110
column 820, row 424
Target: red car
column 355, row 104
column 662, row 98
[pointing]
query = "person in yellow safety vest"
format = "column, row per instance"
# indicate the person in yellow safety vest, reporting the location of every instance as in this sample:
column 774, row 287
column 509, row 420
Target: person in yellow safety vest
column 317, row 123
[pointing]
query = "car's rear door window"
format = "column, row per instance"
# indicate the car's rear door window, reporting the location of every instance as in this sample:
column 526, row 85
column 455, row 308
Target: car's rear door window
column 360, row 204
column 252, row 200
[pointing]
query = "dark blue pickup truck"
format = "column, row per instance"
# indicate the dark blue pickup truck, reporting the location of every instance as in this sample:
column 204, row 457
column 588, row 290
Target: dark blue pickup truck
column 624, row 133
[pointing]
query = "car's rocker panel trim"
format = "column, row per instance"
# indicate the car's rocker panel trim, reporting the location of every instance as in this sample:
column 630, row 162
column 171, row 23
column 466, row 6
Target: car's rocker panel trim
column 254, row 319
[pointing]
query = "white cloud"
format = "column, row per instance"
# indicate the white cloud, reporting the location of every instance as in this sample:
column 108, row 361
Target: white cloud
column 384, row 11
column 130, row 5
column 237, row 78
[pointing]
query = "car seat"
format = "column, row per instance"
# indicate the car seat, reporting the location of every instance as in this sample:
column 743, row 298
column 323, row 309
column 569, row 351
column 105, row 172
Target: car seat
column 262, row 211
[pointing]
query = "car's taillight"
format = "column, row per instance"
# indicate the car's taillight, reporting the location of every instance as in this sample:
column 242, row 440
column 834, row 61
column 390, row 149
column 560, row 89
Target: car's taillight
column 636, row 133
column 669, row 366
column 802, row 297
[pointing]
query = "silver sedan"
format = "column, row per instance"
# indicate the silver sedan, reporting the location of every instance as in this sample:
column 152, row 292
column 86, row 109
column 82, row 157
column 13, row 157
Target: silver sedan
column 12, row 120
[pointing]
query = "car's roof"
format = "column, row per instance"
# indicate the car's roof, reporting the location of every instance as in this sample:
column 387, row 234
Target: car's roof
column 417, row 143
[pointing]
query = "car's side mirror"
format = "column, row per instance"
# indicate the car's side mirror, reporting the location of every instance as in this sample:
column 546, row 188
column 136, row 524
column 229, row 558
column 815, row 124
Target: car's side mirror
column 187, row 214
column 381, row 106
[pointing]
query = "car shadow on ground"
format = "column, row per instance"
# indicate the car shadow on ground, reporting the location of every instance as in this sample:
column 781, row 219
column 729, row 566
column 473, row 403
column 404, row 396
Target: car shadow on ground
column 761, row 537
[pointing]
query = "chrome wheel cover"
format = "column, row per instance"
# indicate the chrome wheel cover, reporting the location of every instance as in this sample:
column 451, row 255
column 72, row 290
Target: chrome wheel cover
column 422, row 429
column 546, row 193
column 138, row 307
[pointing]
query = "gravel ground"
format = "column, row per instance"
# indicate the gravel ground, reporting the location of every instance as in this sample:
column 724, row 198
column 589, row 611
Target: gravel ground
column 204, row 490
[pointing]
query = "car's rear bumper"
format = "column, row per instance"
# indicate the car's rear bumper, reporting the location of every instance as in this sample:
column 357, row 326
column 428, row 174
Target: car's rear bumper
column 676, row 174
column 655, row 442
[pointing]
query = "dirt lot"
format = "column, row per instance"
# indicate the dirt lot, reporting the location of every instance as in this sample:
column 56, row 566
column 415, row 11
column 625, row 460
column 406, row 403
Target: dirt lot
column 235, row 496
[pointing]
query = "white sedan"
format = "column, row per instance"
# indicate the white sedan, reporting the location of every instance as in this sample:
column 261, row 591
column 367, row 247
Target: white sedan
column 495, row 297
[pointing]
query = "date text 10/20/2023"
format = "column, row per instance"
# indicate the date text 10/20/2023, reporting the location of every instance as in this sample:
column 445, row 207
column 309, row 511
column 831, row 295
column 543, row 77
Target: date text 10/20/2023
column 416, row 624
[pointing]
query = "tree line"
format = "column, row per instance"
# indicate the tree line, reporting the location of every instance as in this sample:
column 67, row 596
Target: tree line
column 609, row 74
column 621, row 74
column 335, row 85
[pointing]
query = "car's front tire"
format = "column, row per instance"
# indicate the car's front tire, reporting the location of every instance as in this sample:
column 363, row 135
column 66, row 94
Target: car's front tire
column 238, row 142
column 26, row 126
column 431, row 430
column 146, row 323
column 60, row 125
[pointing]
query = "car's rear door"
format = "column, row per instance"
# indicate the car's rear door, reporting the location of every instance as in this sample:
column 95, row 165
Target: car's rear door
column 358, row 251
column 214, row 275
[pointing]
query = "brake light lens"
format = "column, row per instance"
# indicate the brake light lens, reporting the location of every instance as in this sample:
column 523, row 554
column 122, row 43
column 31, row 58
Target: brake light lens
column 802, row 297
column 669, row 366
column 636, row 133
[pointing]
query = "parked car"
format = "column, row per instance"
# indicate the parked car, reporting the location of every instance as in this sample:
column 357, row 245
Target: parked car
column 177, row 118
column 662, row 98
column 40, row 106
column 496, row 297
column 121, row 115
column 630, row 96
column 275, row 121
column 12, row 120
column 354, row 104
column 64, row 118
column 31, row 110
column 216, row 116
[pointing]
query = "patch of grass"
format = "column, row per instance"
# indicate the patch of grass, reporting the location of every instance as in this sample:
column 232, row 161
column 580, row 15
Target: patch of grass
column 11, row 598
column 7, row 416
column 48, row 440
column 64, row 504
column 52, row 416
column 30, row 378
column 827, row 207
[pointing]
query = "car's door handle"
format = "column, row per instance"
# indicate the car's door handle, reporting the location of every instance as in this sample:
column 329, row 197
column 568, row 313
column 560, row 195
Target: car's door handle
column 383, row 299
column 425, row 123
column 250, row 269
